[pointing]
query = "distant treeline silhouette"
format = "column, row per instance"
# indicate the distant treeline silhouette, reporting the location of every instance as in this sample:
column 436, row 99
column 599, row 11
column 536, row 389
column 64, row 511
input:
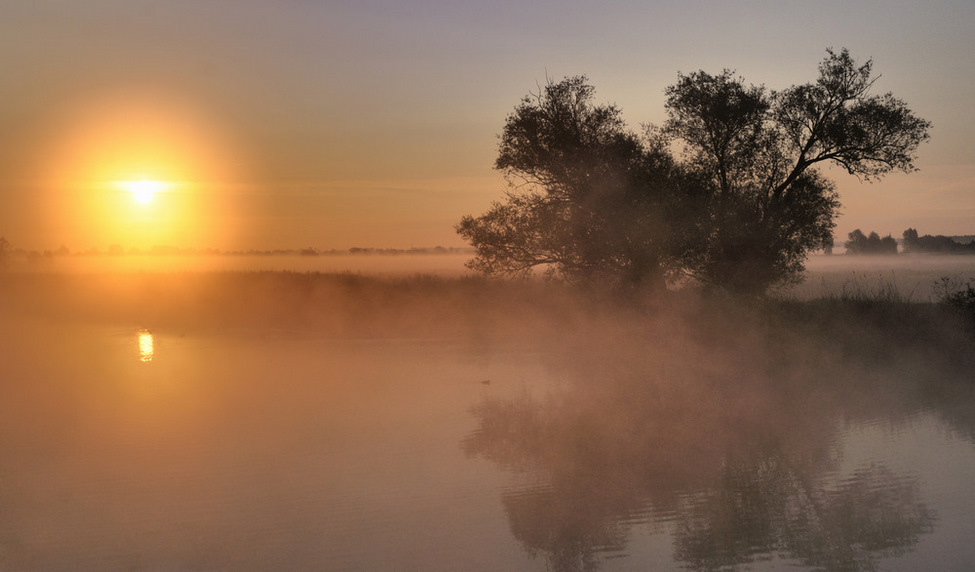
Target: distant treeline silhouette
column 860, row 243
column 937, row 244
column 163, row 250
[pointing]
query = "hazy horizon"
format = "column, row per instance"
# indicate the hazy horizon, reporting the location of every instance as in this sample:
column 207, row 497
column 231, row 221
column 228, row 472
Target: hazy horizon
column 663, row 389
column 374, row 124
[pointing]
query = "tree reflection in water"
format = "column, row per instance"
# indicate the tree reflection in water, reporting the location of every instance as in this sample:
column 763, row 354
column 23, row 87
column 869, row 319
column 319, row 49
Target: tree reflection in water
column 767, row 509
column 740, row 463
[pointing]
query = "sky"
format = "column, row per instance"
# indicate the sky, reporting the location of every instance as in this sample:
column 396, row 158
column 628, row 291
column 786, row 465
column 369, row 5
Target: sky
column 374, row 123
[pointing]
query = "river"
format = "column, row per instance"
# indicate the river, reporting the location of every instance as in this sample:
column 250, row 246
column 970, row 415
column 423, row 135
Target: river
column 134, row 446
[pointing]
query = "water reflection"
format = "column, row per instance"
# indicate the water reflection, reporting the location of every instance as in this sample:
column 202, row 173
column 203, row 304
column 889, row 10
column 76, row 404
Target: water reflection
column 146, row 351
column 768, row 508
column 739, row 467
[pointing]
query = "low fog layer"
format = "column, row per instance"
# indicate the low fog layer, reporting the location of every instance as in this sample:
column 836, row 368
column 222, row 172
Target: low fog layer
column 382, row 264
column 533, row 311
column 714, row 416
column 914, row 277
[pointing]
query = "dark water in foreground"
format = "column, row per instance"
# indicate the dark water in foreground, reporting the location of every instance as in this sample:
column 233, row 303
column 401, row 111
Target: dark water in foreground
column 265, row 449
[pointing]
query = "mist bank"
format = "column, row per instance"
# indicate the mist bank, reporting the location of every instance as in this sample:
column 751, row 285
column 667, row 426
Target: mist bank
column 369, row 261
column 864, row 324
column 913, row 276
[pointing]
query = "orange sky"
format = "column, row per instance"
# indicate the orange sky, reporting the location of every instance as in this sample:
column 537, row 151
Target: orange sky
column 373, row 123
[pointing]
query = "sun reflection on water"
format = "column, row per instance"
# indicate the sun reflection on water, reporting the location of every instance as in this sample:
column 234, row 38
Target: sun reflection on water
column 146, row 351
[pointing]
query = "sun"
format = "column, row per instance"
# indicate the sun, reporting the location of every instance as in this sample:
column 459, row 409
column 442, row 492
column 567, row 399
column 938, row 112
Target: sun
column 143, row 190
column 143, row 169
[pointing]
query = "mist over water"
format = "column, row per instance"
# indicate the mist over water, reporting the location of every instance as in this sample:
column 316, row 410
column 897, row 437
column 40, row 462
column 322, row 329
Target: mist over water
column 201, row 420
column 910, row 276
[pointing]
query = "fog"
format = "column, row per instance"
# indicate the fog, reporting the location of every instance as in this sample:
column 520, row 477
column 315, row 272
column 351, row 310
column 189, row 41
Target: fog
column 403, row 263
column 910, row 276
column 211, row 419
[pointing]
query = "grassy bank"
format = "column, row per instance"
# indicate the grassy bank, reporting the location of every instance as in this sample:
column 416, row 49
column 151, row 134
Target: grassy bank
column 869, row 324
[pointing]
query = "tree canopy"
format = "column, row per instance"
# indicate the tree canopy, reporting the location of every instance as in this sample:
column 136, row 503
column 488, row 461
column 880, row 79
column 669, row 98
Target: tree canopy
column 726, row 191
column 860, row 243
column 935, row 244
column 587, row 197
column 757, row 151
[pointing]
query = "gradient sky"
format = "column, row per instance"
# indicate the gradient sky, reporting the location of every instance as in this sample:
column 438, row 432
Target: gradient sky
column 332, row 124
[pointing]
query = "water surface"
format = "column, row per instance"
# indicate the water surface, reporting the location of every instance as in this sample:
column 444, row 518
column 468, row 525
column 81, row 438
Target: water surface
column 127, row 447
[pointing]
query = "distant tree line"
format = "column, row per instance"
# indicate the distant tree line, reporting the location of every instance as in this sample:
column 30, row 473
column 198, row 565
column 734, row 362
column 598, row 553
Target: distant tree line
column 726, row 191
column 860, row 243
column 116, row 250
column 935, row 244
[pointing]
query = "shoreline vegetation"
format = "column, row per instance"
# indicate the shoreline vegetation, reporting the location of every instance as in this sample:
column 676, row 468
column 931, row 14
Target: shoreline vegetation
column 873, row 325
column 923, row 245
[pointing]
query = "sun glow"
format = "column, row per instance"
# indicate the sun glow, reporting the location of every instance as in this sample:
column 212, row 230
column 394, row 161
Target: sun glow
column 136, row 171
column 143, row 190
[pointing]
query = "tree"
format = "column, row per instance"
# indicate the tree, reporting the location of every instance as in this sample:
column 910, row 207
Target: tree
column 756, row 150
column 857, row 243
column 910, row 240
column 860, row 243
column 739, row 210
column 888, row 245
column 935, row 244
column 587, row 198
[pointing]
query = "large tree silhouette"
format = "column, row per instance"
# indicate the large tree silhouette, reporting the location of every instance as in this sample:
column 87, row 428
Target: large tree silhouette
column 588, row 199
column 767, row 205
column 739, row 209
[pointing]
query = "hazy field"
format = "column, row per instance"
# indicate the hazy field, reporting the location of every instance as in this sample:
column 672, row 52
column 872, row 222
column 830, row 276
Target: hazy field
column 912, row 276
